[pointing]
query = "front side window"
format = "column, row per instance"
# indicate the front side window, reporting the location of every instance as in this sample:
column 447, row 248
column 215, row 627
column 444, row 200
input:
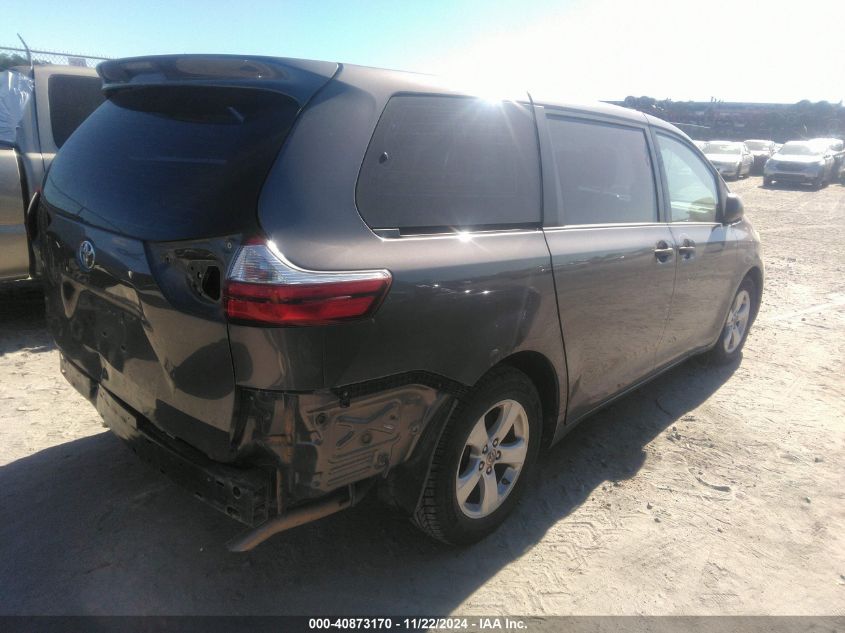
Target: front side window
column 604, row 172
column 693, row 195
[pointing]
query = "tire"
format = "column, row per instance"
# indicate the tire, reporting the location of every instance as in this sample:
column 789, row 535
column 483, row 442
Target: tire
column 441, row 514
column 728, row 350
column 767, row 182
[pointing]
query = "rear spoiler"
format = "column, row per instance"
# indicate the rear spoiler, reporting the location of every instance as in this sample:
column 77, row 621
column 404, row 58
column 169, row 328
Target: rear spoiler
column 296, row 78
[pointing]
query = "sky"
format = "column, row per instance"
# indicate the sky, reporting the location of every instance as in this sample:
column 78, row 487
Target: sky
column 767, row 51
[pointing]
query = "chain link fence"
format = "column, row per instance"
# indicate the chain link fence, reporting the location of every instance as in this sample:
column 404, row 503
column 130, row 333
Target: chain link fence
column 15, row 56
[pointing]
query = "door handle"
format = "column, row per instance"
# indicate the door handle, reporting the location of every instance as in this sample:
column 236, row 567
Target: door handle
column 663, row 252
column 687, row 249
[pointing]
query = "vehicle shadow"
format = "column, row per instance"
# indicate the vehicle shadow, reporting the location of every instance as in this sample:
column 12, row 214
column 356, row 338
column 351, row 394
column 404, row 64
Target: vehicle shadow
column 22, row 319
column 86, row 528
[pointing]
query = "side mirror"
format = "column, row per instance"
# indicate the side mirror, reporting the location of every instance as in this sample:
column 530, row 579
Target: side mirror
column 733, row 210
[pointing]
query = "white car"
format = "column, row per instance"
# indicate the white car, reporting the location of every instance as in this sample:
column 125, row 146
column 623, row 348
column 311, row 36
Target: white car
column 732, row 158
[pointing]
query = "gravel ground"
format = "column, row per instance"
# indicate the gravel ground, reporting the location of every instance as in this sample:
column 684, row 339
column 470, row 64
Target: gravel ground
column 709, row 491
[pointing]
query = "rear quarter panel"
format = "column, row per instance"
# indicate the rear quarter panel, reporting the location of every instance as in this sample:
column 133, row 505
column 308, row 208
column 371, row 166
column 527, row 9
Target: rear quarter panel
column 749, row 249
column 458, row 304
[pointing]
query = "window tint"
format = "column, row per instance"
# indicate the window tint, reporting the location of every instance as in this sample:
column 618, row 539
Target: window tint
column 72, row 99
column 693, row 195
column 173, row 162
column 604, row 172
column 437, row 162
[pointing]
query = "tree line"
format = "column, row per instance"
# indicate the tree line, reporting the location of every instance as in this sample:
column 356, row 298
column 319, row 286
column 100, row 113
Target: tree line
column 739, row 121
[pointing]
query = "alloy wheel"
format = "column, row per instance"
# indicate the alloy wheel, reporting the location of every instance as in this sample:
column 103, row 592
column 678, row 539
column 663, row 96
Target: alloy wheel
column 737, row 321
column 493, row 457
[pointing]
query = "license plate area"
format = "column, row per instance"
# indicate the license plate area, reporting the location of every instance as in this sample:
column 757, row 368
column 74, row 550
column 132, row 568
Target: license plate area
column 245, row 494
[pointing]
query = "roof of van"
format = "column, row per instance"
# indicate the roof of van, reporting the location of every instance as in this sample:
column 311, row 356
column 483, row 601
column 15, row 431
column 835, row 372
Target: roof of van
column 423, row 82
column 277, row 70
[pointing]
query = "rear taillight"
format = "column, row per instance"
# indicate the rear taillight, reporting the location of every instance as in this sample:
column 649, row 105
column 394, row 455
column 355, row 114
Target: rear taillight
column 263, row 287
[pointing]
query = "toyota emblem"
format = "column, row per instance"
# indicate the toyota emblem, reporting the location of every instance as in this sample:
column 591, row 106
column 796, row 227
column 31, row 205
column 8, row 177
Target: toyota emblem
column 86, row 255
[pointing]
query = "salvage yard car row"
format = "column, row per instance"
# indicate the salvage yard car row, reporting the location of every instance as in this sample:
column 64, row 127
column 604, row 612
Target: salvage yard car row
column 817, row 161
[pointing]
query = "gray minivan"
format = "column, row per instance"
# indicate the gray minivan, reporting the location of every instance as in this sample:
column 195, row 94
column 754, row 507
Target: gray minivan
column 287, row 283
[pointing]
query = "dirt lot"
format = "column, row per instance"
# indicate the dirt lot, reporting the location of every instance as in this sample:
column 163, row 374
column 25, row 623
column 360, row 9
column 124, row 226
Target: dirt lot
column 710, row 491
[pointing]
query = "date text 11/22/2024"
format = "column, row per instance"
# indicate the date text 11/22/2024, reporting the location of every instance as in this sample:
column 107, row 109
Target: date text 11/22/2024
column 419, row 624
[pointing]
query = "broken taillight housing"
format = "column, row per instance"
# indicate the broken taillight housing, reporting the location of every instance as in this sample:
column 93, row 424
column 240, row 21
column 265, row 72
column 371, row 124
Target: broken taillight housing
column 264, row 288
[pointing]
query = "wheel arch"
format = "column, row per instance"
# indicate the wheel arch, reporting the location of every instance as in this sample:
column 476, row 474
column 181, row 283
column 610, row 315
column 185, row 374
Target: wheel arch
column 541, row 372
column 404, row 484
column 756, row 275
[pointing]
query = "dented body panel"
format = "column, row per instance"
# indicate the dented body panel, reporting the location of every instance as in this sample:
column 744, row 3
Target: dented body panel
column 323, row 442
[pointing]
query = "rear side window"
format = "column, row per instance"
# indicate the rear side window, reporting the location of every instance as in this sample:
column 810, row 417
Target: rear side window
column 72, row 98
column 604, row 172
column 169, row 163
column 450, row 162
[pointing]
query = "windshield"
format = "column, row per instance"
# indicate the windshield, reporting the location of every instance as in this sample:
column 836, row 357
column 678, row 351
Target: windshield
column 799, row 149
column 723, row 148
column 757, row 144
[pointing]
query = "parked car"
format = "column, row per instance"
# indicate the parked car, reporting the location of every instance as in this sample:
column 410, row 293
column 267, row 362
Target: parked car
column 762, row 151
column 800, row 162
column 731, row 158
column 836, row 147
column 40, row 108
column 281, row 347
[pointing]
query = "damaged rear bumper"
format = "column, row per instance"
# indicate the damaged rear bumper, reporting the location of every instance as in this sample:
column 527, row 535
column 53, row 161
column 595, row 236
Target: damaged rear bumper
column 246, row 494
column 299, row 457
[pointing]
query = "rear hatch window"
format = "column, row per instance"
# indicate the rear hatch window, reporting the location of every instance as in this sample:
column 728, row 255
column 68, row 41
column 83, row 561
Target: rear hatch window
column 173, row 162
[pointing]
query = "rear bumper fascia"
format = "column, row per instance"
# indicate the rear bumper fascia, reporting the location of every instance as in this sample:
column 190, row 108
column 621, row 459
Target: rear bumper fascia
column 793, row 176
column 298, row 450
column 246, row 494
column 728, row 170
